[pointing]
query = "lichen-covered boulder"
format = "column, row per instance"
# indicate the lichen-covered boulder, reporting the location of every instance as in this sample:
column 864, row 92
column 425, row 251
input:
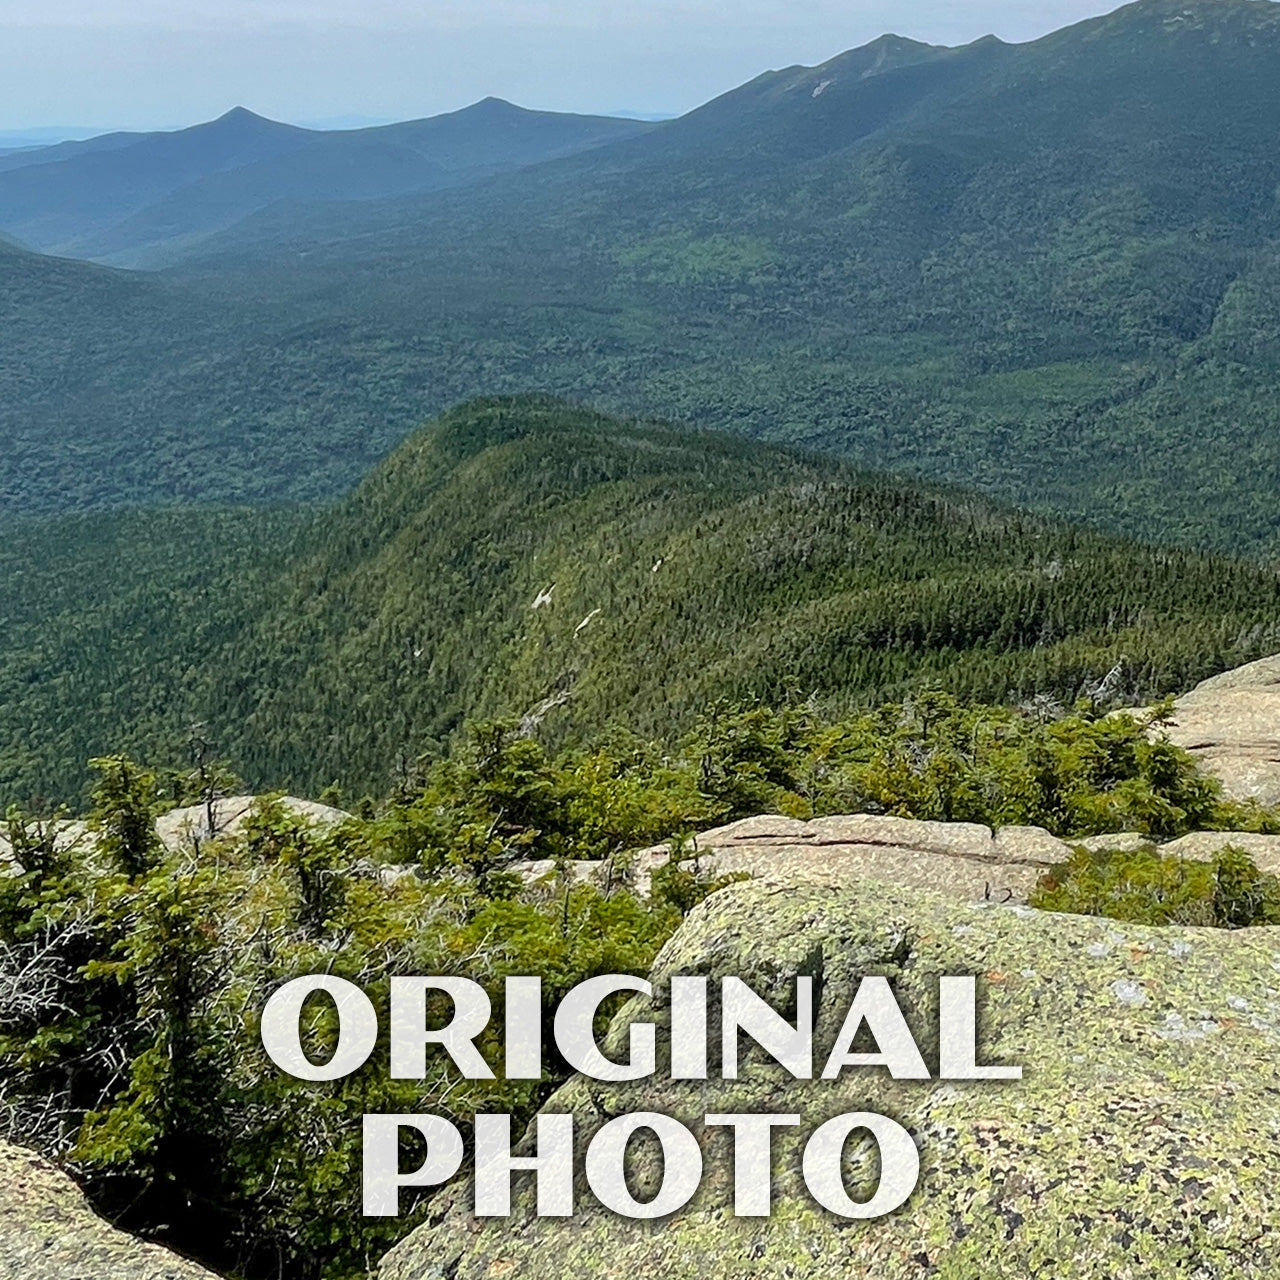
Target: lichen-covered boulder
column 1142, row 1143
column 48, row 1232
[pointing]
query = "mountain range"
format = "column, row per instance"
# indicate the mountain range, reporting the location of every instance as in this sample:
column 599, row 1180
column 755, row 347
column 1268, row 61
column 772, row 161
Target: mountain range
column 763, row 447
column 116, row 197
column 1037, row 282
column 1045, row 271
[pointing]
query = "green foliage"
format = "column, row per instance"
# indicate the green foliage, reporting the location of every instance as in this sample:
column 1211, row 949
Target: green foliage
column 133, row 975
column 501, row 798
column 679, row 881
column 937, row 759
column 1146, row 887
column 1243, row 896
column 126, row 801
column 524, row 558
column 127, row 1037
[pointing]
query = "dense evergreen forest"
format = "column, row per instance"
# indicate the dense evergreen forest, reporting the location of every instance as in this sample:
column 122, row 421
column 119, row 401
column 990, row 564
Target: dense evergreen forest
column 527, row 557
column 1045, row 271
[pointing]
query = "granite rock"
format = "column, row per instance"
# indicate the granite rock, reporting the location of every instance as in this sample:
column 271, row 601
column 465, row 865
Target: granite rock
column 49, row 1232
column 1142, row 1143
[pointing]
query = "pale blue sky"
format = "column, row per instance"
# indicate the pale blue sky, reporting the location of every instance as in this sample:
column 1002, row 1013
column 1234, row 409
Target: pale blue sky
column 161, row 63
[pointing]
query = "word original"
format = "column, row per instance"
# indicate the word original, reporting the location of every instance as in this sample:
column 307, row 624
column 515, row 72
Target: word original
column 874, row 1020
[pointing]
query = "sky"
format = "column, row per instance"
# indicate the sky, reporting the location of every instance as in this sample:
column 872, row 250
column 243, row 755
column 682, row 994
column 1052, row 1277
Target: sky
column 167, row 63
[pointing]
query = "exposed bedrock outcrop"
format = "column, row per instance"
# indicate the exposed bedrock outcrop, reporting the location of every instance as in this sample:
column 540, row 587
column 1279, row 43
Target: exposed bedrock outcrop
column 1143, row 1142
column 48, row 1232
column 1231, row 724
column 191, row 826
column 181, row 827
column 961, row 860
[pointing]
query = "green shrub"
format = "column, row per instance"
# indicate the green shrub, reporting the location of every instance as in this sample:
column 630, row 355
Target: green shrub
column 128, row 1044
column 1147, row 887
column 1081, row 773
column 127, row 1038
column 681, row 883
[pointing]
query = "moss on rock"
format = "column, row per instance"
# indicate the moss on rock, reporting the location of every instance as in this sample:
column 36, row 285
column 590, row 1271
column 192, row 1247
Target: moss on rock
column 48, row 1231
column 1143, row 1141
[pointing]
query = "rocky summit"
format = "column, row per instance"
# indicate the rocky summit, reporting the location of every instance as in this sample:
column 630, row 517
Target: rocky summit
column 1231, row 724
column 1140, row 1143
column 225, row 818
column 48, row 1232
column 963, row 860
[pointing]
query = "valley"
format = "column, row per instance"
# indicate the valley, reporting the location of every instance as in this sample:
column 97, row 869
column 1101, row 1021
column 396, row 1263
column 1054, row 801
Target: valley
column 1043, row 271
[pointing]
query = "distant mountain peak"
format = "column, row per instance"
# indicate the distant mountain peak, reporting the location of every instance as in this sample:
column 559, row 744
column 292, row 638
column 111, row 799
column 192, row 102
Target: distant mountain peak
column 893, row 42
column 1189, row 7
column 1194, row 22
column 243, row 118
column 1193, row 14
column 490, row 108
column 494, row 104
column 886, row 53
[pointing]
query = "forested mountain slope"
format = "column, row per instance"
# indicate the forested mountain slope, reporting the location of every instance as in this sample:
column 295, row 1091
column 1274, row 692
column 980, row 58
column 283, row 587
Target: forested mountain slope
column 524, row 556
column 115, row 197
column 120, row 389
column 1045, row 270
